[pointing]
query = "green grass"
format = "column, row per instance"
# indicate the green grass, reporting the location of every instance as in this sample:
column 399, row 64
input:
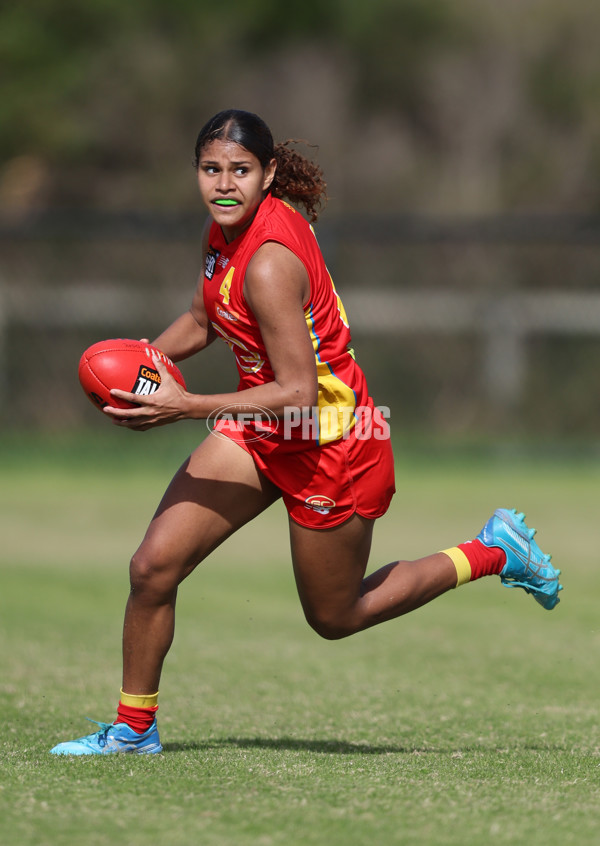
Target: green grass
column 471, row 721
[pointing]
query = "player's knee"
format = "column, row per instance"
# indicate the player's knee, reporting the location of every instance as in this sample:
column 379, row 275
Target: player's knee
column 148, row 574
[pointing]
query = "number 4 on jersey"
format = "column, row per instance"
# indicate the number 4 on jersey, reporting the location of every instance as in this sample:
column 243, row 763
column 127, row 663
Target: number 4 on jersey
column 226, row 285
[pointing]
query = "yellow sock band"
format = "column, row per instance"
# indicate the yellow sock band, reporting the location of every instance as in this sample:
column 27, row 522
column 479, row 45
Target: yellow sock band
column 146, row 700
column 461, row 562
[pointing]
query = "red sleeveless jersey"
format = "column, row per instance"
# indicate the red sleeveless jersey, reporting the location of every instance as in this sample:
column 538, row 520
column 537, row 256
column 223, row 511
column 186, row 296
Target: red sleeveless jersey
column 342, row 386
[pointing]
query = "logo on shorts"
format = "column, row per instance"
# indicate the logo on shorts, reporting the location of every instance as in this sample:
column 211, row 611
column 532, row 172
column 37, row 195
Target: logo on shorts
column 320, row 504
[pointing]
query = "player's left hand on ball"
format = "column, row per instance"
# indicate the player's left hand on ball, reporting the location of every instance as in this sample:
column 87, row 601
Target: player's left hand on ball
column 166, row 405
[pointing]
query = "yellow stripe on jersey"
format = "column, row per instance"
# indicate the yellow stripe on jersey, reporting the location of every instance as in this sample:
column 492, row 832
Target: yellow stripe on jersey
column 311, row 328
column 336, row 403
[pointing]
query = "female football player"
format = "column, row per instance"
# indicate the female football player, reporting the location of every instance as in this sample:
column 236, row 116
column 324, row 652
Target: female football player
column 300, row 426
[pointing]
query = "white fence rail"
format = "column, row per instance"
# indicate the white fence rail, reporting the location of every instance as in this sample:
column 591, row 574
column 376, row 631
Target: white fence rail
column 503, row 323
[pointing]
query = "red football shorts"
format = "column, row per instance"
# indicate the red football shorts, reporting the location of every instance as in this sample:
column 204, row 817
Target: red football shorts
column 325, row 485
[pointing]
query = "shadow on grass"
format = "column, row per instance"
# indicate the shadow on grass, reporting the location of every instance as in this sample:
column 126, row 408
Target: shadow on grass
column 290, row 744
column 330, row 747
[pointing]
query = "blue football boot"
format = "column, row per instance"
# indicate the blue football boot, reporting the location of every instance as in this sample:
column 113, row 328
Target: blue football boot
column 112, row 738
column 526, row 565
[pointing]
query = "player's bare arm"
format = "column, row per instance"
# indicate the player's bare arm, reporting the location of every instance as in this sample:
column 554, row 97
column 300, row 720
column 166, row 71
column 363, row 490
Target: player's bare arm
column 276, row 288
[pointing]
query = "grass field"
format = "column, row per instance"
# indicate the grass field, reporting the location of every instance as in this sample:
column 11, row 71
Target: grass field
column 471, row 721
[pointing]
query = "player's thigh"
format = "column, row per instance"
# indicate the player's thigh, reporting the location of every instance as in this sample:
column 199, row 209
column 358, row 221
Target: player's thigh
column 216, row 491
column 329, row 567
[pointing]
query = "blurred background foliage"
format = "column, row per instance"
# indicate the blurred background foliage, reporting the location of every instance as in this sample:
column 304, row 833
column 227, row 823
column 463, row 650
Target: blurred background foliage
column 420, row 109
column 467, row 105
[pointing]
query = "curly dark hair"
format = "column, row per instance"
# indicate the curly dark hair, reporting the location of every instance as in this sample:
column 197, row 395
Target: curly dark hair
column 297, row 179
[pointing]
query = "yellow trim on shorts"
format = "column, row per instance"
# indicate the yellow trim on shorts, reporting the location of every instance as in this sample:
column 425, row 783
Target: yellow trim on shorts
column 461, row 562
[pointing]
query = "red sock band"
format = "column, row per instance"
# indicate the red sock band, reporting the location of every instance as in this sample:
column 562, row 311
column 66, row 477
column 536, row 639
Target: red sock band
column 138, row 719
column 484, row 560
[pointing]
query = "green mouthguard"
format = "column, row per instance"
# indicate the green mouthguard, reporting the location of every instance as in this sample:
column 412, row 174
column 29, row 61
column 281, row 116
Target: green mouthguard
column 226, row 202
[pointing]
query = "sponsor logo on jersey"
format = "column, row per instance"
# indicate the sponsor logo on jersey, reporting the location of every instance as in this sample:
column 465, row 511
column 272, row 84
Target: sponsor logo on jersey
column 321, row 504
column 226, row 315
column 222, row 261
column 211, row 262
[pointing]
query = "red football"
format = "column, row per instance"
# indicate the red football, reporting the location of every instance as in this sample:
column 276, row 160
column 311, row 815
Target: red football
column 124, row 364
